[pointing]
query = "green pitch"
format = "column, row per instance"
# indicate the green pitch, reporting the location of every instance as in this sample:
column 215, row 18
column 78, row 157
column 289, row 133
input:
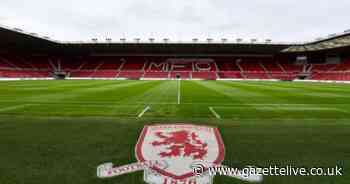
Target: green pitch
column 58, row 132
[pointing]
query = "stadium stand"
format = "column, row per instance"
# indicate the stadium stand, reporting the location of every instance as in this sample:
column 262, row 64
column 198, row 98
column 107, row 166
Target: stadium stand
column 338, row 72
column 28, row 56
column 168, row 68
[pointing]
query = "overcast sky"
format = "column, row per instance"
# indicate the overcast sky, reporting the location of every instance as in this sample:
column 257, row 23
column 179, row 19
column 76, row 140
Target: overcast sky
column 280, row 20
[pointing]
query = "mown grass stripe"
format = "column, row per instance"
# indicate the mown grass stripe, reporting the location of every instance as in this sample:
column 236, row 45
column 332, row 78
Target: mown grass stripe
column 14, row 107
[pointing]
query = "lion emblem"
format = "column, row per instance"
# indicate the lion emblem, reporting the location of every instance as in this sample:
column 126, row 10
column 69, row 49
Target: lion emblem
column 181, row 144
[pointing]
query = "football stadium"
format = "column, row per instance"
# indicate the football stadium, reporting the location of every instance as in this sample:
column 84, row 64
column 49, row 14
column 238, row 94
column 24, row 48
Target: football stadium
column 70, row 109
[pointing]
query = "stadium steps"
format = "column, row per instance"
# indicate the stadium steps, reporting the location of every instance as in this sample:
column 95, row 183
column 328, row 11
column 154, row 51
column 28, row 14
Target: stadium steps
column 241, row 69
column 268, row 73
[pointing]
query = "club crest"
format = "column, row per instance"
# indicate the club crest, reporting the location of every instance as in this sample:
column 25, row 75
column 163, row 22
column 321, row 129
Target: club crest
column 180, row 146
column 168, row 154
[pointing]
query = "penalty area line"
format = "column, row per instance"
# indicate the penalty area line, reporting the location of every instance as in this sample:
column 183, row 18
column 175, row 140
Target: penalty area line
column 144, row 111
column 214, row 113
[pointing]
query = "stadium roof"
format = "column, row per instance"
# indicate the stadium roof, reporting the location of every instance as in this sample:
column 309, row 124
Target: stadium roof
column 17, row 39
column 13, row 38
column 333, row 41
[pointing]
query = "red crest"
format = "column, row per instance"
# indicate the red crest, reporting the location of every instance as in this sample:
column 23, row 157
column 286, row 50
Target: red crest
column 180, row 145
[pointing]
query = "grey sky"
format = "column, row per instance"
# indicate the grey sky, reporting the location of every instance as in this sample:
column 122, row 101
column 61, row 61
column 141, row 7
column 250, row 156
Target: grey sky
column 71, row 20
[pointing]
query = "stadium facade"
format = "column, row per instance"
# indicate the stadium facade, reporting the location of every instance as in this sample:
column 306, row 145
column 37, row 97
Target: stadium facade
column 24, row 55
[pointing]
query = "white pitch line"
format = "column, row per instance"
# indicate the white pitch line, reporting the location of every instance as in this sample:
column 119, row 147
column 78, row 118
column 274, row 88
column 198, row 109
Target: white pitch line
column 12, row 107
column 144, row 111
column 179, row 91
column 214, row 113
